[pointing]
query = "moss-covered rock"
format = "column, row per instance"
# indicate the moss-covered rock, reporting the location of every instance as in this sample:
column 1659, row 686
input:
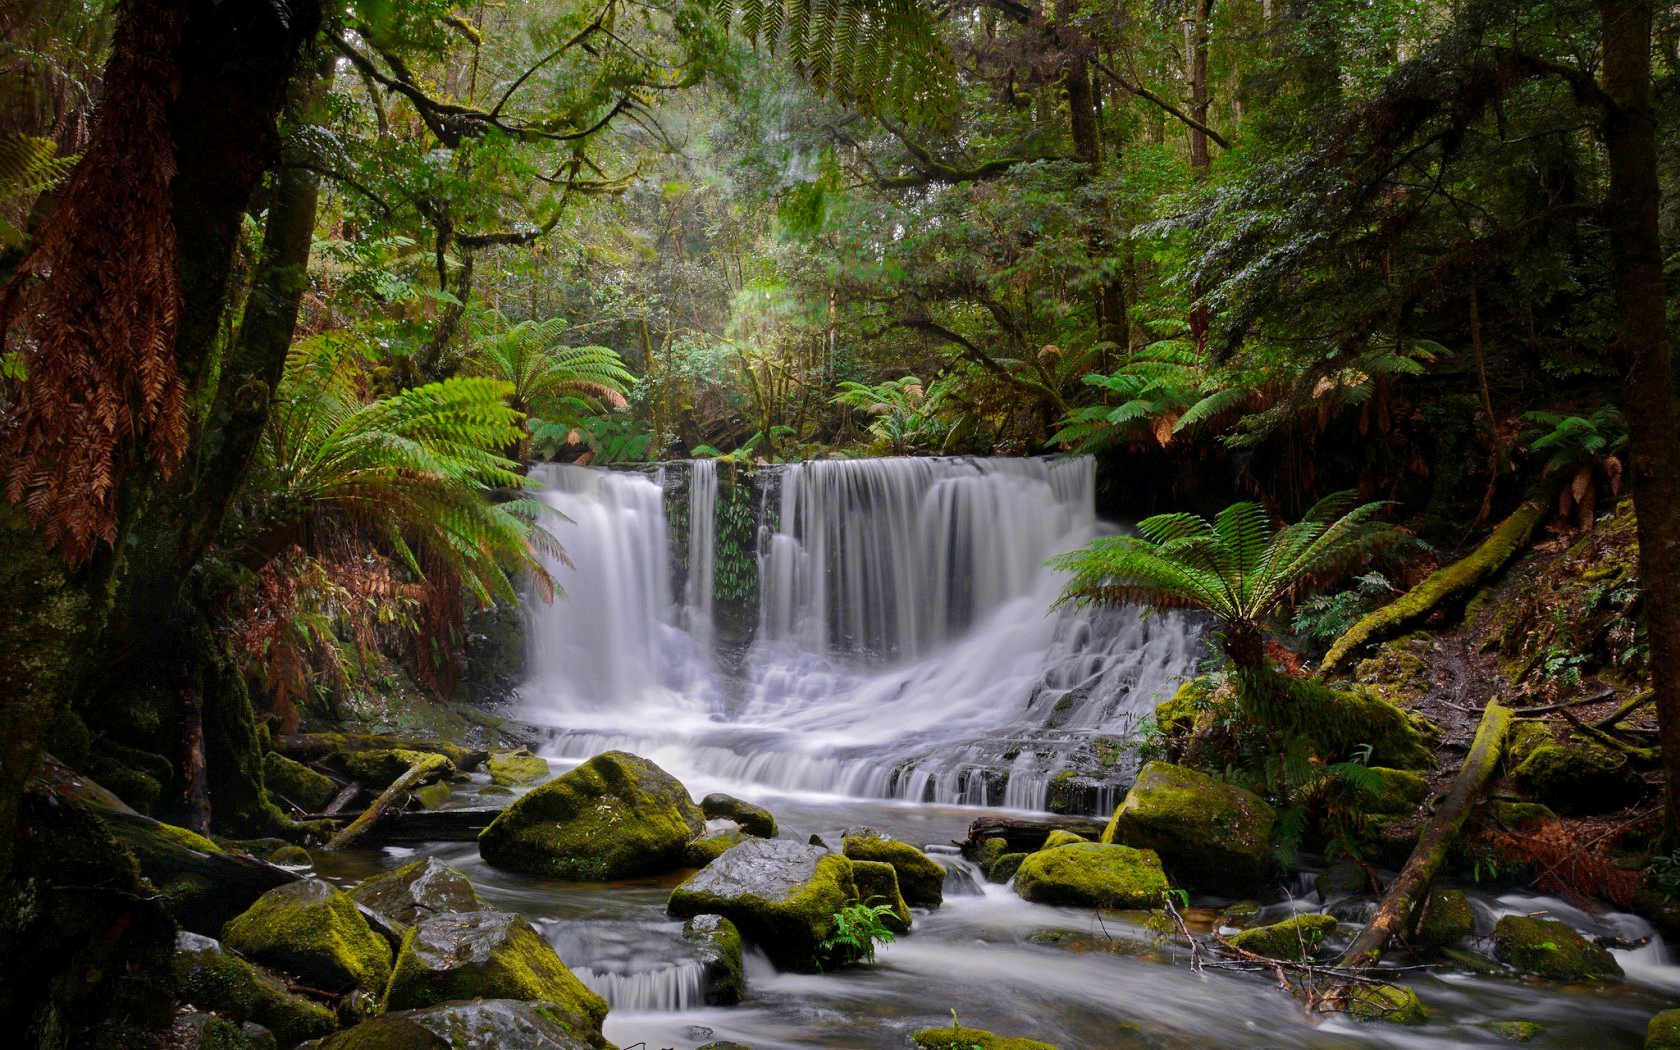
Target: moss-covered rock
column 315, row 931
column 297, row 783
column 381, row 768
column 488, row 955
column 877, row 883
column 434, row 795
column 1091, row 874
column 1005, row 867
column 1551, row 949
column 719, row 945
column 1210, row 834
column 1582, row 777
column 707, row 848
column 754, row 820
column 1447, row 919
column 988, row 854
column 953, row 1038
column 217, row 980
column 291, row 856
column 1513, row 816
column 198, row 1030
column 1390, row 1003
column 1342, row 879
column 615, row 816
column 1520, row 1031
column 334, row 747
column 418, row 891
column 1059, row 837
column 781, row 895
column 511, row 768
column 1298, row 938
column 1663, row 1033
column 920, row 877
column 196, row 880
column 481, row 1025
column 1402, row 791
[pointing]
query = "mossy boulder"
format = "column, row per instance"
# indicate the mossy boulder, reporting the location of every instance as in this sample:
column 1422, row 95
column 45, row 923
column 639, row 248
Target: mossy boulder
column 381, row 768
column 615, row 816
column 196, row 879
column 1663, row 1033
column 754, row 820
column 952, row 1037
column 221, row 981
column 1523, row 1031
column 920, row 877
column 781, row 895
column 488, row 955
column 315, row 931
column 480, row 1025
column 1582, row 777
column 1342, row 879
column 1005, row 867
column 434, row 795
column 199, row 1030
column 877, row 883
column 336, row 747
column 297, row 783
column 1059, row 837
column 1090, row 874
column 1402, row 792
column 511, row 768
column 291, row 856
column 1447, row 919
column 989, row 853
column 1211, row 835
column 418, row 891
column 1551, row 949
column 1513, row 816
column 1389, row 1003
column 719, row 945
column 707, row 848
column 1298, row 938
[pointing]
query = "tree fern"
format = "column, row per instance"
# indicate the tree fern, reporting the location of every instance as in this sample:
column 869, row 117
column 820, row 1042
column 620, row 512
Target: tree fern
column 29, row 166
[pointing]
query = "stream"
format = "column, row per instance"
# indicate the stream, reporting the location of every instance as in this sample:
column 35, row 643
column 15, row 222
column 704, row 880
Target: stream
column 873, row 643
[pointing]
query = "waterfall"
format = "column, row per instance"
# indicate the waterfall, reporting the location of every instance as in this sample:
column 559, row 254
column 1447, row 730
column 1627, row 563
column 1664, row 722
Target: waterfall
column 906, row 645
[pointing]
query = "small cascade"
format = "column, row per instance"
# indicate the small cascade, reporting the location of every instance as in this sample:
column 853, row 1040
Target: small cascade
column 679, row 987
column 906, row 642
column 636, row 967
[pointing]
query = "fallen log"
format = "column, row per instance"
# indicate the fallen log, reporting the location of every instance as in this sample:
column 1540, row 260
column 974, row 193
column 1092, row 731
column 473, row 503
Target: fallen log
column 1026, row 834
column 1457, row 580
column 429, row 765
column 343, row 798
column 1400, row 905
column 1639, row 700
column 313, row 747
column 436, row 825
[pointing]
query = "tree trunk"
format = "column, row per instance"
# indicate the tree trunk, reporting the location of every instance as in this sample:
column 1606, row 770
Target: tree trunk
column 1630, row 140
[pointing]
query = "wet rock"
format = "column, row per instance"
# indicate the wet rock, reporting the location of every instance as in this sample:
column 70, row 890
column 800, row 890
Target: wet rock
column 488, row 1023
column 212, row 979
column 1005, row 867
column 781, row 895
column 314, row 931
column 417, row 891
column 754, row 820
column 198, row 1030
column 1240, row 913
column 510, row 768
column 877, row 883
column 1298, row 938
column 1402, row 791
column 1342, row 879
column 615, row 816
column 1513, row 816
column 291, row 856
column 380, row 769
column 1447, row 919
column 1663, row 1033
column 297, row 783
column 952, row 1037
column 1471, row 962
column 1521, row 1031
column 1093, row 875
column 920, row 877
column 1389, row 1003
column 1062, row 838
column 1581, row 778
column 259, row 1037
column 719, row 943
column 434, row 795
column 337, row 747
column 495, row 791
column 702, row 851
column 1551, row 949
column 1210, row 834
column 989, row 853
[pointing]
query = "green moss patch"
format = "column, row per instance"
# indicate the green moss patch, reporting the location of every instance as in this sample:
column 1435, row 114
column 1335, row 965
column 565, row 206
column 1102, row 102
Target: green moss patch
column 954, row 1038
column 1298, row 938
column 216, row 980
column 920, row 877
column 314, row 931
column 1389, row 1003
column 510, row 768
column 297, row 783
column 1551, row 949
column 1093, row 875
column 1211, row 834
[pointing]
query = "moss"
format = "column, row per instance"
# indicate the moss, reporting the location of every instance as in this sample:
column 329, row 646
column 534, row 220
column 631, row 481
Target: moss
column 989, row 852
column 297, row 783
column 1059, row 837
column 1343, row 878
column 1515, row 815
column 1398, row 671
column 380, row 769
column 1580, row 778
column 216, row 980
column 920, row 877
column 1006, row 867
column 1188, row 708
column 1297, row 938
column 954, row 1038
column 877, row 883
column 720, row 948
column 495, row 791
column 487, row 955
column 311, row 929
column 510, row 768
column 754, row 820
column 615, row 816
column 434, row 795
column 417, row 891
column 291, row 856
column 1470, row 962
column 316, row 746
column 1551, row 949
column 1447, row 919
column 206, row 1031
column 1663, row 1033
column 184, row 837
column 1520, row 1031
column 490, row 1024
column 1211, row 834
column 1391, row 1003
column 702, row 851
column 1402, row 791
column 1339, row 722
column 1093, row 874
column 782, row 895
column 1525, row 736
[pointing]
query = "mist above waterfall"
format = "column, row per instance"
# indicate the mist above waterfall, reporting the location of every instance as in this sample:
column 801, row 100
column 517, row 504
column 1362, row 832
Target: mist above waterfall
column 894, row 638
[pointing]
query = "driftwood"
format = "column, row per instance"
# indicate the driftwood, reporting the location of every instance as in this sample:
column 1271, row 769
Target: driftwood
column 1639, row 700
column 1411, row 888
column 435, row 825
column 430, row 765
column 1025, row 834
column 343, row 798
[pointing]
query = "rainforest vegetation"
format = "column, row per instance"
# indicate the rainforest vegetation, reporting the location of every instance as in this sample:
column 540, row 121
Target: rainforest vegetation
column 1364, row 308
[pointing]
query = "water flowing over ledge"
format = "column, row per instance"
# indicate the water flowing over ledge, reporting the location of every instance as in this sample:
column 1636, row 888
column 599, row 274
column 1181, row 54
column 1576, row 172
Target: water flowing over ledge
column 877, row 628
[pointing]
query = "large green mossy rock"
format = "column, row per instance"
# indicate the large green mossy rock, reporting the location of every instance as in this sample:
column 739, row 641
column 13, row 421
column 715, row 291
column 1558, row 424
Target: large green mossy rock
column 1211, row 835
column 314, row 931
column 1580, row 778
column 489, row 1024
column 754, row 820
column 781, row 895
column 1093, row 874
column 511, row 768
column 954, row 1038
column 1402, row 792
column 920, row 878
column 1447, row 919
column 615, row 816
column 417, row 891
column 1551, row 949
column 1298, row 938
column 488, row 955
column 217, row 980
column 1388, row 1003
column 1663, row 1033
column 316, row 747
column 877, row 884
column 1061, row 837
column 718, row 944
column 297, row 783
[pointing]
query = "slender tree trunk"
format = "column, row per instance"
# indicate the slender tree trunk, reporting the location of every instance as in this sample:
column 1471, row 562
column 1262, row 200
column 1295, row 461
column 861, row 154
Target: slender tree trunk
column 1196, row 69
column 1630, row 139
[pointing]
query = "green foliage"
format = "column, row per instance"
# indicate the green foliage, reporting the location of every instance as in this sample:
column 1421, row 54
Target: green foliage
column 735, row 569
column 1568, row 442
column 1326, row 617
column 902, row 413
column 1665, row 872
column 29, row 166
column 858, row 928
column 559, row 384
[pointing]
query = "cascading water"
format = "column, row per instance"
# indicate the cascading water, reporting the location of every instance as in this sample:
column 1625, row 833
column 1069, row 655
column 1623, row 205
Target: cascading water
column 905, row 642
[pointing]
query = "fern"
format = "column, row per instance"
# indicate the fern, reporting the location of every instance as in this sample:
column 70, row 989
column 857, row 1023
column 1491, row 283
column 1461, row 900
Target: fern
column 29, row 166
